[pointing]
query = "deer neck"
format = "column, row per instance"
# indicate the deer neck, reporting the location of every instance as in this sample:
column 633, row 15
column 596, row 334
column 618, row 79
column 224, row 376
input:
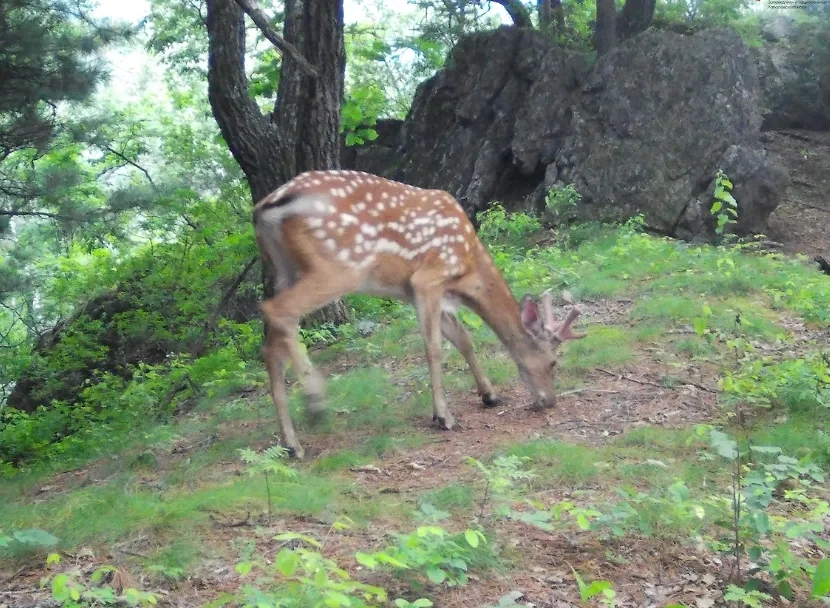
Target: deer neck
column 494, row 303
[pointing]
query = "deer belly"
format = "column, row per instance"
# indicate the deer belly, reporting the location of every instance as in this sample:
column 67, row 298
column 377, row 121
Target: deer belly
column 371, row 287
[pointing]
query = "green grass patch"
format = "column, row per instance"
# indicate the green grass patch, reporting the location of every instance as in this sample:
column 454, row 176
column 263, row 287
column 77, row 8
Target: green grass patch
column 104, row 514
column 695, row 347
column 457, row 497
column 338, row 461
column 801, row 436
column 559, row 461
column 364, row 397
column 602, row 347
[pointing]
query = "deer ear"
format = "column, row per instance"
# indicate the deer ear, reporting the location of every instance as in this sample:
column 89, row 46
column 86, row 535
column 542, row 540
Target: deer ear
column 530, row 315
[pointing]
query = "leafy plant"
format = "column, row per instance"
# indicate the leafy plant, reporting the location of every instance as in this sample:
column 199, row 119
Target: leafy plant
column 724, row 207
column 752, row 529
column 269, row 462
column 501, row 477
column 498, row 225
column 752, row 598
column 587, row 591
column 359, row 114
column 562, row 201
column 70, row 591
column 302, row 577
column 432, row 550
column 31, row 539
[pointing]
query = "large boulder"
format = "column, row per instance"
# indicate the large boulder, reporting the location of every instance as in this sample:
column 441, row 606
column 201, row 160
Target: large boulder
column 794, row 68
column 653, row 124
column 460, row 134
column 644, row 130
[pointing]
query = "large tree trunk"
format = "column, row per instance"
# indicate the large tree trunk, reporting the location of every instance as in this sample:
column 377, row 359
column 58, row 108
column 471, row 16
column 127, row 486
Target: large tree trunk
column 558, row 15
column 635, row 17
column 307, row 114
column 543, row 6
column 302, row 132
column 605, row 30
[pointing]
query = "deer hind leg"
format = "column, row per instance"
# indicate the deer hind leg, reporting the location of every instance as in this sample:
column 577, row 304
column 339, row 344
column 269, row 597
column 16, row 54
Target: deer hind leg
column 427, row 298
column 455, row 332
column 282, row 314
column 275, row 352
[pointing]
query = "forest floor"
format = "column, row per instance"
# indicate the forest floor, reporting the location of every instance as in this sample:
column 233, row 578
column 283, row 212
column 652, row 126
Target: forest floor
column 175, row 509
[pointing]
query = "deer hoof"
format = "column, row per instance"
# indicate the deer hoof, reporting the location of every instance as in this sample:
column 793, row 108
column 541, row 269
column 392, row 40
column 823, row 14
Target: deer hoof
column 296, row 452
column 315, row 408
column 491, row 400
column 542, row 406
column 446, row 423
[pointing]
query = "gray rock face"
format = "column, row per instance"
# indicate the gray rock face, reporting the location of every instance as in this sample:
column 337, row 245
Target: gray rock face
column 652, row 123
column 459, row 132
column 644, row 130
column 794, row 68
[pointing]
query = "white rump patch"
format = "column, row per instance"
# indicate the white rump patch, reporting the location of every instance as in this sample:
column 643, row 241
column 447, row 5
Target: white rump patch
column 312, row 205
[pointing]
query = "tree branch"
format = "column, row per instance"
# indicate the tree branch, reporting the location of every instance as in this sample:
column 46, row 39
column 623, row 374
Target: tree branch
column 132, row 163
column 210, row 326
column 517, row 11
column 53, row 216
column 248, row 133
column 252, row 10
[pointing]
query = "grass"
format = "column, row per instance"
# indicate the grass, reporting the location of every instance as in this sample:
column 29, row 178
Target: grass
column 457, row 498
column 558, row 462
column 802, row 436
column 605, row 347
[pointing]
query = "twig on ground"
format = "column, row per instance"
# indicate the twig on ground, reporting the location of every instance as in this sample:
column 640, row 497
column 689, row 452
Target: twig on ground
column 588, row 390
column 682, row 381
column 132, row 553
column 13, row 576
column 630, row 379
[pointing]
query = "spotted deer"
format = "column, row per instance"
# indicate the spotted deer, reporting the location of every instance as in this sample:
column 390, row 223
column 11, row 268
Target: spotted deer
column 326, row 234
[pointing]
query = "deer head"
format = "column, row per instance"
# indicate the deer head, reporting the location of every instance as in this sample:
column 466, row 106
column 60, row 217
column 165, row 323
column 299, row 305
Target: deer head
column 537, row 364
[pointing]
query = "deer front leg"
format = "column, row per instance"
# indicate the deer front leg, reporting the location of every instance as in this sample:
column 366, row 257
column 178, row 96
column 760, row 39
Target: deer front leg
column 428, row 304
column 455, row 332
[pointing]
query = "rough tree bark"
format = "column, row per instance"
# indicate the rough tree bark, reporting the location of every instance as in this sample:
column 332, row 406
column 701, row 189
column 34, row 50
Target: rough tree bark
column 558, row 15
column 635, row 17
column 307, row 113
column 550, row 12
column 605, row 34
column 543, row 7
column 302, row 131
